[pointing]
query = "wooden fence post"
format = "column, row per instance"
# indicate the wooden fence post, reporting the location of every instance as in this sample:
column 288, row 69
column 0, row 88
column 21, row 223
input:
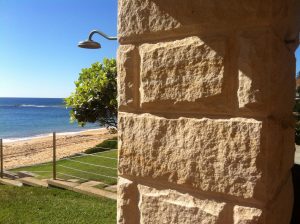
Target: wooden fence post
column 54, row 156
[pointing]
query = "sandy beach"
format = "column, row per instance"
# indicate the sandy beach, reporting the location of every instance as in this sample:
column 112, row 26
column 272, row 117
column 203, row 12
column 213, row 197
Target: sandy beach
column 39, row 150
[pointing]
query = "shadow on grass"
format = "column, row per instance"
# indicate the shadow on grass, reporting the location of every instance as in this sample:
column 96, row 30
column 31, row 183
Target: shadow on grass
column 101, row 167
column 106, row 145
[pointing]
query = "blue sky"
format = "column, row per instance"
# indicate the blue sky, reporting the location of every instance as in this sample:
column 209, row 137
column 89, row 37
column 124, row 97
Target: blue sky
column 39, row 56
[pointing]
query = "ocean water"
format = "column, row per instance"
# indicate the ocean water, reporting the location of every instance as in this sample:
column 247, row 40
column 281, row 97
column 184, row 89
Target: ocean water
column 30, row 117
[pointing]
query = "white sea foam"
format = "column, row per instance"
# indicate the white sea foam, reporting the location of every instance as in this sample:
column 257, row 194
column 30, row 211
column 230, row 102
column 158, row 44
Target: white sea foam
column 10, row 140
column 78, row 132
column 33, row 105
column 39, row 106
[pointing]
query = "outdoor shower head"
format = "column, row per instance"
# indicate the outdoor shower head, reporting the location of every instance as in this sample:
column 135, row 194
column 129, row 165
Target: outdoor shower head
column 90, row 44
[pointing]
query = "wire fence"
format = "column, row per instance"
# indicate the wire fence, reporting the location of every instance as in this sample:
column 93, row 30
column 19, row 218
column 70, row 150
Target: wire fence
column 99, row 165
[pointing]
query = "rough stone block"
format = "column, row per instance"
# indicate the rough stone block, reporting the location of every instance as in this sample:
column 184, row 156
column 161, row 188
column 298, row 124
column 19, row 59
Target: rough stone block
column 127, row 202
column 127, row 76
column 281, row 95
column 143, row 16
column 184, row 74
column 280, row 208
column 170, row 206
column 253, row 75
column 280, row 155
column 148, row 17
column 264, row 64
column 247, row 215
column 213, row 155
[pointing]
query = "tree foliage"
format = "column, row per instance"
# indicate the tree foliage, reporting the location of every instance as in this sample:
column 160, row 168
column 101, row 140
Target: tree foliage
column 95, row 96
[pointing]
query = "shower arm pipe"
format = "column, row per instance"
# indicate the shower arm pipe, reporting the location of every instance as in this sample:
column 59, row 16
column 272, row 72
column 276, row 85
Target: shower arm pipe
column 102, row 34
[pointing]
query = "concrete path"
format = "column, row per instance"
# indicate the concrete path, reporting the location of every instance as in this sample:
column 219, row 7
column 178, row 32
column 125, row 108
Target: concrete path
column 10, row 182
column 62, row 184
column 96, row 192
column 30, row 181
column 83, row 188
column 112, row 188
column 93, row 183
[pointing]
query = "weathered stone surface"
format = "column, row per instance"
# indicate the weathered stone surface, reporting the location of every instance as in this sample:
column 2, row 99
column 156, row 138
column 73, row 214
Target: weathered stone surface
column 253, row 74
column 280, row 209
column 126, row 76
column 287, row 20
column 169, row 206
column 212, row 58
column 281, row 93
column 277, row 212
column 127, row 202
column 264, row 64
column 185, row 72
column 221, row 155
column 151, row 16
column 247, row 215
column 280, row 155
column 143, row 16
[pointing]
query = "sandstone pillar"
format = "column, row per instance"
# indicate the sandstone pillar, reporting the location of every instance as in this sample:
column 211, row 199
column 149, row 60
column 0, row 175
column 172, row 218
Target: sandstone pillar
column 206, row 91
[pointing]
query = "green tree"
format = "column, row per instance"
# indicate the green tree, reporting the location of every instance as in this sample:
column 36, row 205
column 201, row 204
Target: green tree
column 95, row 96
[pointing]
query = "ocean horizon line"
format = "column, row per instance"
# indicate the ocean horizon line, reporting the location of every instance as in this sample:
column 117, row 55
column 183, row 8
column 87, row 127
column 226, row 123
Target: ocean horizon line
column 23, row 118
column 24, row 97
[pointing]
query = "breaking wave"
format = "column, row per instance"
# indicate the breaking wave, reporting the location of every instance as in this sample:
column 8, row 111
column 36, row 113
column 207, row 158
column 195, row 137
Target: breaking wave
column 33, row 105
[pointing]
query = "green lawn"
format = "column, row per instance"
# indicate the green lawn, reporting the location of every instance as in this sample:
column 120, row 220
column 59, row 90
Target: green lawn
column 29, row 205
column 98, row 158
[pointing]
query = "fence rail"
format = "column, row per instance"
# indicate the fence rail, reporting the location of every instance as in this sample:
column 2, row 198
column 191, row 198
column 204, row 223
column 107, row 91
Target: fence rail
column 105, row 157
column 82, row 166
column 67, row 167
column 90, row 164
